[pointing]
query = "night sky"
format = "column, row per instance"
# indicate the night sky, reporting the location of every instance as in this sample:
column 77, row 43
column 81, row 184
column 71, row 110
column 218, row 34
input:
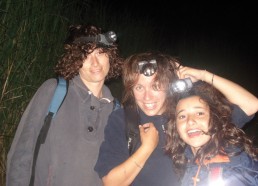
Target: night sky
column 220, row 37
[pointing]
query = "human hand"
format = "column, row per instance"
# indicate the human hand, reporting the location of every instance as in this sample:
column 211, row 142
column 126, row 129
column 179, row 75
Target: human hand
column 149, row 136
column 192, row 73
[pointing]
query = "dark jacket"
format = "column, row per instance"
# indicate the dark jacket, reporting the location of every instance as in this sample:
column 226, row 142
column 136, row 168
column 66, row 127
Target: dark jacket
column 158, row 169
column 240, row 170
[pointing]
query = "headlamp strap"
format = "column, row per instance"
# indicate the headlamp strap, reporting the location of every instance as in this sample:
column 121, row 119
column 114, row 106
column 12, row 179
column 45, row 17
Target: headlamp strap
column 107, row 39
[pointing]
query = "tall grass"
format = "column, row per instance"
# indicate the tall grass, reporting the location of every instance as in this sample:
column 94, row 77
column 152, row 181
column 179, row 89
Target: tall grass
column 31, row 39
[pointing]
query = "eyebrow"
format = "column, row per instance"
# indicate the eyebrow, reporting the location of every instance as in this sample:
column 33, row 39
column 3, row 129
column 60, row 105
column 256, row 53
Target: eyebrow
column 197, row 107
column 177, row 113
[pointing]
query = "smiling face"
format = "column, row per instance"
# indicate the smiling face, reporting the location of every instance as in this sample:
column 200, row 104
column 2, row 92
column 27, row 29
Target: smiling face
column 95, row 67
column 149, row 96
column 192, row 119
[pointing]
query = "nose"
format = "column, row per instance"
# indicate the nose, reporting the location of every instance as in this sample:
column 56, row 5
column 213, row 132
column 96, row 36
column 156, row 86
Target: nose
column 94, row 60
column 148, row 94
column 191, row 120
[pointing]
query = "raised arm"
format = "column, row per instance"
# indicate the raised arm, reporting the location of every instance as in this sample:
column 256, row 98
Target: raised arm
column 232, row 91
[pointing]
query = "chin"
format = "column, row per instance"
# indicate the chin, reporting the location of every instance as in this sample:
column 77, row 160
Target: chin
column 150, row 113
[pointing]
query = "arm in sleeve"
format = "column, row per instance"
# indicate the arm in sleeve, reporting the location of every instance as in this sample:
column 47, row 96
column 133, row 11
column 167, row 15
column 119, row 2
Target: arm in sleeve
column 19, row 158
column 234, row 93
column 239, row 117
column 120, row 169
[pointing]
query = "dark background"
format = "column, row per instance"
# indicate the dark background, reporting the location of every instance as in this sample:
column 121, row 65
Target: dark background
column 219, row 37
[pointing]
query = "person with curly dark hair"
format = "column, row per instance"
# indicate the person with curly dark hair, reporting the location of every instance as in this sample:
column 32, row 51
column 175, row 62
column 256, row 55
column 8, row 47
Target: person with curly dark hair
column 140, row 159
column 72, row 144
column 205, row 146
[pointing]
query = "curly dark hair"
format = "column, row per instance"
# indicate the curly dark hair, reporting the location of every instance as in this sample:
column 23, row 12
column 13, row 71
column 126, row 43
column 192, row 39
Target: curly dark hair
column 226, row 138
column 167, row 67
column 76, row 52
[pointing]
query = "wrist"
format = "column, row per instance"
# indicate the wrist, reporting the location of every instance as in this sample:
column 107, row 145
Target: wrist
column 212, row 79
column 136, row 163
column 208, row 77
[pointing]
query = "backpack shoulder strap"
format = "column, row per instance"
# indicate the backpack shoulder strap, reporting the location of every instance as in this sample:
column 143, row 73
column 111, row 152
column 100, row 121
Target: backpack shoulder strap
column 55, row 104
column 132, row 119
column 59, row 95
column 117, row 104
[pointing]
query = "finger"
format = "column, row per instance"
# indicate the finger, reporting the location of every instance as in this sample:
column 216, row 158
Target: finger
column 146, row 125
column 178, row 66
column 181, row 72
column 193, row 78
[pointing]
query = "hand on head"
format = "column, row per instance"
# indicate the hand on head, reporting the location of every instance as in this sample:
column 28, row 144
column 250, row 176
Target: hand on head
column 188, row 72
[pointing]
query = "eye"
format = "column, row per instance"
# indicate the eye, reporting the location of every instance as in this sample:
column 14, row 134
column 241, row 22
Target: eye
column 138, row 88
column 200, row 113
column 181, row 117
column 156, row 86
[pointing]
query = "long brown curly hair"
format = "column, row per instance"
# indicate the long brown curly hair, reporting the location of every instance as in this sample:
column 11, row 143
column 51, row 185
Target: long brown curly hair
column 76, row 52
column 226, row 138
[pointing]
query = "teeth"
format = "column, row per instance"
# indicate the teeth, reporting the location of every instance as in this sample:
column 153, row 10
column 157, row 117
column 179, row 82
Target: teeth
column 149, row 105
column 192, row 131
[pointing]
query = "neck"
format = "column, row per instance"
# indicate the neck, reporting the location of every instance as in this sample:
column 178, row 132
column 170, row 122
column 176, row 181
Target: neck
column 95, row 87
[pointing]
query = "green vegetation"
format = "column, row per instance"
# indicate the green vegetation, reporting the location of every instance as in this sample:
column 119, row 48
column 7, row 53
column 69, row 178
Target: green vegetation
column 31, row 35
column 31, row 39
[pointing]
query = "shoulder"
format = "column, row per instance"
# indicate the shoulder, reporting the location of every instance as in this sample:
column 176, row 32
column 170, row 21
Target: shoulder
column 45, row 92
column 48, row 85
column 116, row 119
column 118, row 113
column 243, row 163
column 243, row 160
column 242, row 170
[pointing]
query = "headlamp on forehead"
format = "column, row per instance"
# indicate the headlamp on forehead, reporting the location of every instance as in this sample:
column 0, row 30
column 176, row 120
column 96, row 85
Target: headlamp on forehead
column 181, row 85
column 107, row 38
column 148, row 68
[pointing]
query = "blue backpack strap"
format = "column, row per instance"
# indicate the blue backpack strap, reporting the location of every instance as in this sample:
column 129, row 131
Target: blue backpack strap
column 117, row 104
column 59, row 96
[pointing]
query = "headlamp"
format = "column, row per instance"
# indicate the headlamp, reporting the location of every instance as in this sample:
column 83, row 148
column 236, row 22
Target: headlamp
column 147, row 68
column 181, row 85
column 107, row 38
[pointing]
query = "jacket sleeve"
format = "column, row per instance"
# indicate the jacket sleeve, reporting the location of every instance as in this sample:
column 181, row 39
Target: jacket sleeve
column 239, row 117
column 243, row 171
column 20, row 155
column 113, row 150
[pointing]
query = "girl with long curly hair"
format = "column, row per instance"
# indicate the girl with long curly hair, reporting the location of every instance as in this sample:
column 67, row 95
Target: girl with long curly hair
column 205, row 146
